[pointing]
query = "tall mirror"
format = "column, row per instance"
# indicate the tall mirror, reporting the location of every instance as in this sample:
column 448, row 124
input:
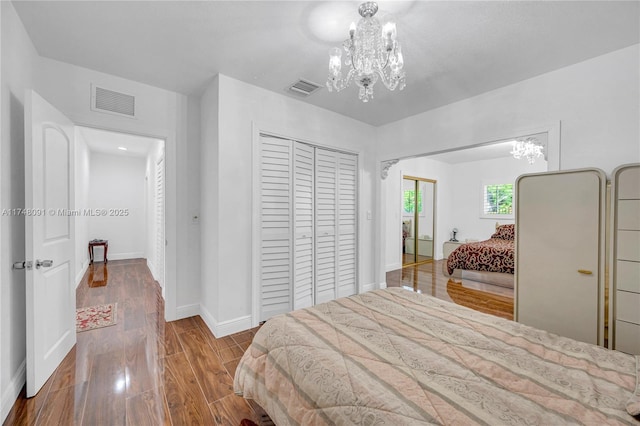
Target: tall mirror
column 418, row 206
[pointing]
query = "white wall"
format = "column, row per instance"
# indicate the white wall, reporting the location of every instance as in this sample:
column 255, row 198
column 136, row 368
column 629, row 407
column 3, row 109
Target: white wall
column 242, row 110
column 82, row 186
column 209, row 204
column 466, row 192
column 189, row 295
column 596, row 102
column 392, row 187
column 160, row 114
column 19, row 63
column 118, row 184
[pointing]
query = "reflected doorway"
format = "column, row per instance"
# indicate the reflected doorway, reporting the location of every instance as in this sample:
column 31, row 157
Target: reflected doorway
column 418, row 208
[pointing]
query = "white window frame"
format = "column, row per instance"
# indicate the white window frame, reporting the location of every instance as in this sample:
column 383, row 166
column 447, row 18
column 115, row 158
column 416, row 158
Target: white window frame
column 483, row 188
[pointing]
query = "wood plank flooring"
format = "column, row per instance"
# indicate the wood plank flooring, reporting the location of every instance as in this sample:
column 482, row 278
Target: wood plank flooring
column 145, row 371
column 428, row 278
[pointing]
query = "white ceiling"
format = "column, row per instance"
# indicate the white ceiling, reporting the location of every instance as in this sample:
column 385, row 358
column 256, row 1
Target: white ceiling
column 453, row 49
column 108, row 142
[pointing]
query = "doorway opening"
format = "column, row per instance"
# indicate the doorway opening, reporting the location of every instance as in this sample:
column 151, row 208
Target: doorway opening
column 121, row 178
column 418, row 208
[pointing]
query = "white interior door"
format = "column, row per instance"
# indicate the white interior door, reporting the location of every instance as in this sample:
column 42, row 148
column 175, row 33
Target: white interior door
column 560, row 253
column 51, row 303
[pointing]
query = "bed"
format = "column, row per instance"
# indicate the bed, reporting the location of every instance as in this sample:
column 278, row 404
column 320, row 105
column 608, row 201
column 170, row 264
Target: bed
column 395, row 357
column 490, row 261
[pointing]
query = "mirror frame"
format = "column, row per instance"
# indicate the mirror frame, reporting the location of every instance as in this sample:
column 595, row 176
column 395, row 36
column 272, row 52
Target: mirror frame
column 416, row 181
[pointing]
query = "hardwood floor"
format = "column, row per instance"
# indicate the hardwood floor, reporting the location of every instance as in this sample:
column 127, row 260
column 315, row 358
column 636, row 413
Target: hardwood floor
column 428, row 278
column 143, row 370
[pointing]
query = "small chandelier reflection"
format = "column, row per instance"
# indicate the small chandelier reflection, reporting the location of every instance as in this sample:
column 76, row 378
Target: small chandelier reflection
column 528, row 148
column 372, row 52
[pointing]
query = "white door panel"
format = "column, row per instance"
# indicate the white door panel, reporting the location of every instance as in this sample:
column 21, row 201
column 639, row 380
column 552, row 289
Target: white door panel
column 51, row 303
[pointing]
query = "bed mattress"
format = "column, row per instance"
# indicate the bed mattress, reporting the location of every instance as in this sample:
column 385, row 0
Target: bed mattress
column 394, row 357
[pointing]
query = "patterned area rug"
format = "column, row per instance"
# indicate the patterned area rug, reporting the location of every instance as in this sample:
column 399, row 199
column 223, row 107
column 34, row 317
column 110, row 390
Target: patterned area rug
column 96, row 316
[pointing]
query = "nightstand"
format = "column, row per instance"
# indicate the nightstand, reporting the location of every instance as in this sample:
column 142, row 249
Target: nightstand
column 450, row 246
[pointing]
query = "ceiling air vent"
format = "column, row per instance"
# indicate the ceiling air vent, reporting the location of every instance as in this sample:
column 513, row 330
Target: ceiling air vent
column 105, row 100
column 303, row 88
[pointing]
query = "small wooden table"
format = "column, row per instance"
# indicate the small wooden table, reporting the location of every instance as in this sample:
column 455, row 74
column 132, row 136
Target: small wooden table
column 103, row 243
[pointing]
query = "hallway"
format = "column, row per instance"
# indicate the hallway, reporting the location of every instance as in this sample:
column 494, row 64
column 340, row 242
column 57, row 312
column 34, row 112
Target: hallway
column 142, row 370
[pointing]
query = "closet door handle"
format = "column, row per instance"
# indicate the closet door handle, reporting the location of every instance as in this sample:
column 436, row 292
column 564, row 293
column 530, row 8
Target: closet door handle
column 585, row 271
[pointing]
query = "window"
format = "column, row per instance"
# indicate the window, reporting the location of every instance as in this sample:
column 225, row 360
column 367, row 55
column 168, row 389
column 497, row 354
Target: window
column 497, row 201
column 409, row 201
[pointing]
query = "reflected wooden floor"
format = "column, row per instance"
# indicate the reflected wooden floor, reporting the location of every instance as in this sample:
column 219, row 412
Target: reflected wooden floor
column 143, row 370
column 429, row 279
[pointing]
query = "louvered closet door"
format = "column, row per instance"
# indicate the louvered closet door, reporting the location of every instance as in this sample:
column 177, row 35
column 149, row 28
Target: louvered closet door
column 326, row 223
column 347, row 221
column 276, row 221
column 304, row 177
column 160, row 239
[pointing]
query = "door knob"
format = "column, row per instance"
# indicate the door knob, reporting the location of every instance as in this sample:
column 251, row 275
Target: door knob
column 43, row 263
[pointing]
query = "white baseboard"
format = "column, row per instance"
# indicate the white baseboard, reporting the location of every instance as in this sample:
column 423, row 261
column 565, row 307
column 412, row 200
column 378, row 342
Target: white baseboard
column 120, row 256
column 368, row 287
column 235, row 325
column 187, row 311
column 152, row 268
column 10, row 394
column 393, row 266
column 83, row 269
column 224, row 328
column 383, row 285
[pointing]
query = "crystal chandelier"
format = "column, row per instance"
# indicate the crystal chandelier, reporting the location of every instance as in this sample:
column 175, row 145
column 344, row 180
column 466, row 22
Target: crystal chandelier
column 372, row 52
column 527, row 148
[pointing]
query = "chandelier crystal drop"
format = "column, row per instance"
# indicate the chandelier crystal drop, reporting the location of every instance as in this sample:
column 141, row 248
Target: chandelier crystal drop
column 527, row 148
column 372, row 54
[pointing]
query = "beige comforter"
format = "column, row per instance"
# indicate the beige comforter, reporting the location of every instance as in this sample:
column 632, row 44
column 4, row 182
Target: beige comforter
column 394, row 357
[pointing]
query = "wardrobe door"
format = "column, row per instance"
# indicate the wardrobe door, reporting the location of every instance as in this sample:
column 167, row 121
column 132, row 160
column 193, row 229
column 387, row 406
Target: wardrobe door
column 326, row 220
column 304, row 218
column 347, row 224
column 276, row 219
column 560, row 253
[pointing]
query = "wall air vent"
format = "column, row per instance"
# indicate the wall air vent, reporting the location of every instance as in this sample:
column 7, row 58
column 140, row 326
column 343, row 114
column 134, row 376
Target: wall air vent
column 303, row 88
column 105, row 100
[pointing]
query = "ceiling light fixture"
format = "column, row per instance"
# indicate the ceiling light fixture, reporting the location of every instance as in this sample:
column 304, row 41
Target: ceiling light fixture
column 122, row 148
column 372, row 52
column 528, row 148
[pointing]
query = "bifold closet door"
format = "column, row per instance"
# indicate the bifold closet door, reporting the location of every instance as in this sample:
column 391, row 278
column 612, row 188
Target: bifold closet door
column 347, row 224
column 326, row 203
column 308, row 225
column 276, row 223
column 304, row 218
column 560, row 253
column 336, row 225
